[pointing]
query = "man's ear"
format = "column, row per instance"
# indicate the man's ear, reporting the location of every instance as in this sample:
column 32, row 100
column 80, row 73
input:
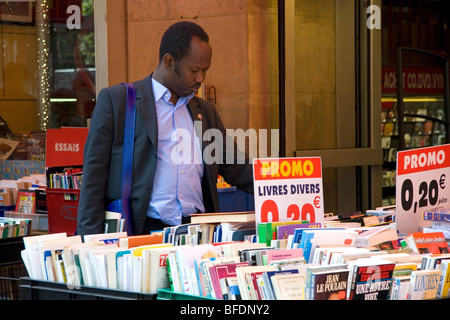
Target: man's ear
column 168, row 61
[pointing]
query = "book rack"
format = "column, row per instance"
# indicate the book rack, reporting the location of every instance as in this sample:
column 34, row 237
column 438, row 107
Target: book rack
column 62, row 212
column 11, row 267
column 167, row 294
column 31, row 289
column 47, row 290
column 64, row 150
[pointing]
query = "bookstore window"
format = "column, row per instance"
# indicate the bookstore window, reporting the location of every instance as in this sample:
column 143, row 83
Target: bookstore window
column 47, row 70
column 420, row 29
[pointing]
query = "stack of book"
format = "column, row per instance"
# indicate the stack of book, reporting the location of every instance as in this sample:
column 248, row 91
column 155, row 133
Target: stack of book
column 112, row 261
column 14, row 227
column 313, row 263
column 439, row 219
column 213, row 228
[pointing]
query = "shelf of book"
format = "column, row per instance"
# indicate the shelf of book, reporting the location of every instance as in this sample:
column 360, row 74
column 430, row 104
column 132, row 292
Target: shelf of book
column 39, row 222
column 418, row 133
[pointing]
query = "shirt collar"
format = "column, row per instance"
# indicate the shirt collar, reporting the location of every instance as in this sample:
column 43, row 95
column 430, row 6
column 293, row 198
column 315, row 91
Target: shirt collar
column 161, row 92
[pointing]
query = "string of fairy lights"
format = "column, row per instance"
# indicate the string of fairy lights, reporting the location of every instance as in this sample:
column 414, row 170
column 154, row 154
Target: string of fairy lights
column 43, row 40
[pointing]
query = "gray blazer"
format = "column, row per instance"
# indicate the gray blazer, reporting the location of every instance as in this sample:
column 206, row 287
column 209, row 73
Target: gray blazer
column 103, row 157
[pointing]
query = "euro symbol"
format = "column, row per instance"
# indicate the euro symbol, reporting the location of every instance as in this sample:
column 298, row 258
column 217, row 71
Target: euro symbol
column 317, row 202
column 441, row 181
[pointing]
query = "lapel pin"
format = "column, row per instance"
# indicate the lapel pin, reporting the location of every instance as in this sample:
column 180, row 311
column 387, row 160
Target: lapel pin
column 199, row 116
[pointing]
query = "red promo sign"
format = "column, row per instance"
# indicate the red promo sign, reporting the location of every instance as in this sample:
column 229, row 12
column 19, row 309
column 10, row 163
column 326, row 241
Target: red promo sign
column 424, row 159
column 65, row 147
column 415, row 80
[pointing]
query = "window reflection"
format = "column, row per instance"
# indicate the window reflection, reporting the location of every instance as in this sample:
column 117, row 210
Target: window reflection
column 71, row 69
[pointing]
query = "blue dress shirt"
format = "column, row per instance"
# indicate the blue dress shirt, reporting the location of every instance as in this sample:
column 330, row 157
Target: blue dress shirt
column 177, row 189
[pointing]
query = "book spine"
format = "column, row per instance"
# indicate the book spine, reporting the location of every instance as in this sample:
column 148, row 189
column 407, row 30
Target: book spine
column 444, row 281
column 435, row 216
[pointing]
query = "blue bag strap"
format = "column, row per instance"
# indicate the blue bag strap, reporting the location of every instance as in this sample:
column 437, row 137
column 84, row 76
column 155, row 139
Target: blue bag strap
column 127, row 162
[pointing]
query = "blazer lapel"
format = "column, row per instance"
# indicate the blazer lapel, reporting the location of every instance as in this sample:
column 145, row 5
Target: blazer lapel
column 198, row 117
column 145, row 105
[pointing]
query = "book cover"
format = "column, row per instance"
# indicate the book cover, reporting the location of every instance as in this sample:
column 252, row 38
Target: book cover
column 106, row 238
column 245, row 216
column 41, row 201
column 219, row 272
column 399, row 287
column 174, row 275
column 256, row 286
column 179, row 232
column 112, row 222
column 254, row 256
column 203, row 269
column 279, row 254
column 442, row 225
column 314, row 268
column 6, row 197
column 186, row 257
column 322, row 237
column 445, row 232
column 444, row 281
column 156, row 269
column 287, row 264
column 370, row 279
column 140, row 240
column 232, row 286
column 245, row 281
column 234, row 248
column 269, row 231
column 289, row 286
column 284, row 231
column 404, row 269
column 437, row 214
column 433, row 261
column 268, row 284
column 330, row 285
column 433, row 242
column 111, row 265
column 375, row 235
column 423, row 284
column 26, row 201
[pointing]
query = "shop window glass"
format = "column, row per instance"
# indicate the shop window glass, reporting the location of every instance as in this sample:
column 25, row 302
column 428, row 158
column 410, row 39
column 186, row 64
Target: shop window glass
column 69, row 66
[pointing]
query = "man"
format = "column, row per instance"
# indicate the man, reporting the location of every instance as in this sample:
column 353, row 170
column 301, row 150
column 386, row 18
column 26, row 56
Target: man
column 165, row 191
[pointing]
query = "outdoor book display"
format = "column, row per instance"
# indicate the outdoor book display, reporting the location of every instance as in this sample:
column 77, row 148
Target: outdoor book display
column 287, row 249
column 322, row 264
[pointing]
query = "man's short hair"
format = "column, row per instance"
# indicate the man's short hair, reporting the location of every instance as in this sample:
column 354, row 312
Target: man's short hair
column 176, row 41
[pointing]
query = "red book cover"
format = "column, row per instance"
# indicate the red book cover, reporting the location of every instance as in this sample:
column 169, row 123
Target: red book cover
column 433, row 242
column 26, row 202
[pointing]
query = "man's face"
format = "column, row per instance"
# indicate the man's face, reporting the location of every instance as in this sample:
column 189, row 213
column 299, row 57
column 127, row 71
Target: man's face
column 188, row 73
